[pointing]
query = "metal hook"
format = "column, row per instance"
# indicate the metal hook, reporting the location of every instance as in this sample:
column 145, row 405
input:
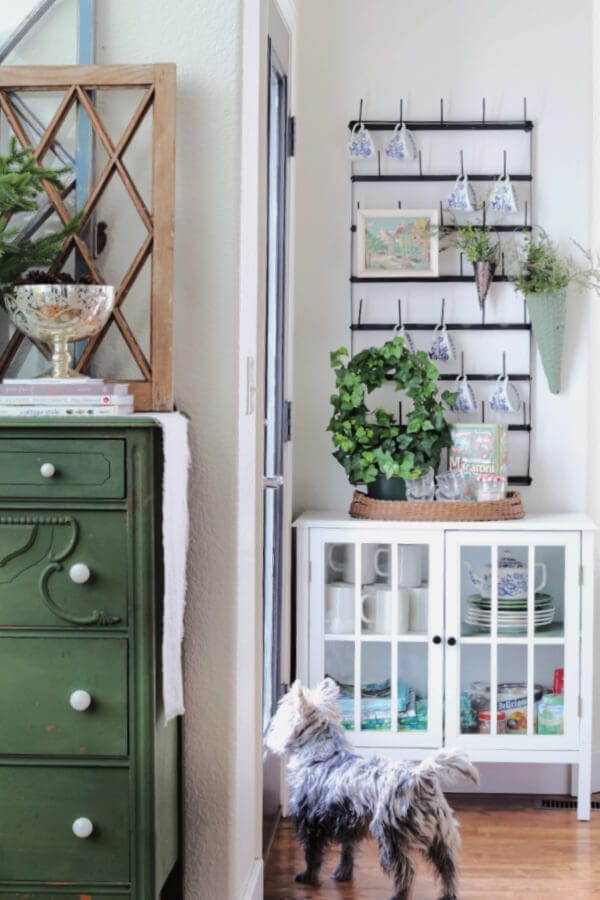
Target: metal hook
column 360, row 309
column 505, row 164
column 483, row 412
column 460, row 262
column 483, row 111
column 443, row 311
column 525, row 213
column 441, row 110
column 483, row 215
column 420, row 164
column 441, row 215
column 399, row 325
column 379, row 162
column 399, row 204
column 462, row 169
column 504, row 363
column 401, row 110
column 524, row 109
column 524, row 413
column 360, row 111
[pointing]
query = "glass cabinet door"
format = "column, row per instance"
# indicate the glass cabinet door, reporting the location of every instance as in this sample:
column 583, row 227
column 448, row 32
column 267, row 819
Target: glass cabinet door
column 376, row 620
column 512, row 657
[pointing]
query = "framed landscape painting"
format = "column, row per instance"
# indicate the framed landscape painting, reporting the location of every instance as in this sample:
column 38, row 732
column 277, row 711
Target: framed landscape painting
column 397, row 243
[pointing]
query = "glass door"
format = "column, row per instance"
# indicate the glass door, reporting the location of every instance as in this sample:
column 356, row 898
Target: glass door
column 376, row 626
column 275, row 430
column 513, row 640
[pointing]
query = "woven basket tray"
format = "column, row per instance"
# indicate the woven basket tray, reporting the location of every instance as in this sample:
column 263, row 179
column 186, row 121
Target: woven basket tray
column 511, row 507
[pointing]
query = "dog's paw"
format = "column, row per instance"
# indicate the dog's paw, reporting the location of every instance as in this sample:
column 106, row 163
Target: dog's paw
column 307, row 878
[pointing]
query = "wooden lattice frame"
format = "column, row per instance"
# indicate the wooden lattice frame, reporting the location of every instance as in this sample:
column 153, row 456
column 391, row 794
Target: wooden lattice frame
column 155, row 390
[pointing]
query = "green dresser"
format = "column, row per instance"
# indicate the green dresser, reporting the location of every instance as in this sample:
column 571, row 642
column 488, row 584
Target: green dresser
column 88, row 771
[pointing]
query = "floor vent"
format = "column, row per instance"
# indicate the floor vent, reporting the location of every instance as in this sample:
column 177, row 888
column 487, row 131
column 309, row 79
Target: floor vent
column 559, row 803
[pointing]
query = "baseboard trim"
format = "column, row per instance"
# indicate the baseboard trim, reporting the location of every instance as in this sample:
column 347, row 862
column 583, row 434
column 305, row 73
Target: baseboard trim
column 254, row 889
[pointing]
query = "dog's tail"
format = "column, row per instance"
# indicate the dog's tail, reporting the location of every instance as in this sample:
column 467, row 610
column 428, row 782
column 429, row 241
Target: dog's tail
column 451, row 765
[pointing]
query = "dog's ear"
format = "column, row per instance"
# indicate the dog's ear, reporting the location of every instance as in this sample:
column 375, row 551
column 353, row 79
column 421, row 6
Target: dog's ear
column 329, row 689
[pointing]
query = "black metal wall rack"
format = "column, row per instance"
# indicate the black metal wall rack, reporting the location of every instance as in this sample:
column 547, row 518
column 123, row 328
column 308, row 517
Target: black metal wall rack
column 357, row 323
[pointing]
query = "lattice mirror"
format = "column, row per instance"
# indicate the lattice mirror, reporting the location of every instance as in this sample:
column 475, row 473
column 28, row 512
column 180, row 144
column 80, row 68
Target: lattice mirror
column 126, row 114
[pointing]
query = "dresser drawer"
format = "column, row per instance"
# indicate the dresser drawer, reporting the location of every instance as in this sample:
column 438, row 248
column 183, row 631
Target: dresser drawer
column 83, row 468
column 26, row 895
column 37, row 555
column 39, row 677
column 39, row 806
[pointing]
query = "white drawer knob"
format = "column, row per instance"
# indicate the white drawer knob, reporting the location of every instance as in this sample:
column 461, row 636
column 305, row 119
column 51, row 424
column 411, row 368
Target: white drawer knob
column 47, row 470
column 80, row 700
column 82, row 828
column 79, row 573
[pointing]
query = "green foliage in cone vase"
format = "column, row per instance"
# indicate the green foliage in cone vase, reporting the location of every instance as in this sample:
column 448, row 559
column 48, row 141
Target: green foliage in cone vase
column 479, row 245
column 543, row 277
column 370, row 443
column 21, row 183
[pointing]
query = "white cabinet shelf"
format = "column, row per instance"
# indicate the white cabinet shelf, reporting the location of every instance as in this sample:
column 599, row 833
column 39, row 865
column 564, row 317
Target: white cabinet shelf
column 429, row 627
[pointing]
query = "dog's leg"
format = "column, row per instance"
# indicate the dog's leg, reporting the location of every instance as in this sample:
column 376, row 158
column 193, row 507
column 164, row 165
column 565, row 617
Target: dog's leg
column 313, row 854
column 442, row 856
column 394, row 861
column 346, row 863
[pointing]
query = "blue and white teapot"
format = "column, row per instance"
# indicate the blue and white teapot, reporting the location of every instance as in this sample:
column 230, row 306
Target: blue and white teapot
column 512, row 578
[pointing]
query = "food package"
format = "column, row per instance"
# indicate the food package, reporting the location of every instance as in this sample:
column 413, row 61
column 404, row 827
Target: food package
column 479, row 450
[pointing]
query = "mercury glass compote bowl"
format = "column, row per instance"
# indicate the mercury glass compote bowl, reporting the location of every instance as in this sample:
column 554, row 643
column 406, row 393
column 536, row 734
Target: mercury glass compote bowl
column 59, row 313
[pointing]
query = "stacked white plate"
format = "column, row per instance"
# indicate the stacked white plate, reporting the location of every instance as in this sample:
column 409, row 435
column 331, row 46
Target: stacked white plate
column 478, row 614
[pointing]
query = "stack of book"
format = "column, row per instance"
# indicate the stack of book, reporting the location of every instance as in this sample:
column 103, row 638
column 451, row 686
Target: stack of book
column 64, row 397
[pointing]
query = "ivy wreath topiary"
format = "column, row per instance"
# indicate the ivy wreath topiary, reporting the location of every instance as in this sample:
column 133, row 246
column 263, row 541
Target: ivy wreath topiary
column 371, row 443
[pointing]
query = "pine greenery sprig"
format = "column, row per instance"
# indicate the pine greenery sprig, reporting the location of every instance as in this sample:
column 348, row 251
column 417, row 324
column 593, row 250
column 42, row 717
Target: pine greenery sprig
column 21, row 182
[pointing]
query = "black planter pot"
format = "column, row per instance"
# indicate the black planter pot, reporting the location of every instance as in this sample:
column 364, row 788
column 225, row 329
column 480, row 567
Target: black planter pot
column 382, row 488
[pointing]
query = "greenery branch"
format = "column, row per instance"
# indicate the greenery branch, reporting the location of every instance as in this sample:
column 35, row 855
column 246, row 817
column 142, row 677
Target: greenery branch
column 21, row 183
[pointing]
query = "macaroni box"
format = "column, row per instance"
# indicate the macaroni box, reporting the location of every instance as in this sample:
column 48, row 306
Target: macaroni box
column 479, row 450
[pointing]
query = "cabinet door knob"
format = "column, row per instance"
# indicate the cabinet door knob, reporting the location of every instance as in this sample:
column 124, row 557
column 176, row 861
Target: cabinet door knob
column 452, row 641
column 436, row 639
column 82, row 828
column 80, row 700
column 47, row 470
column 79, row 573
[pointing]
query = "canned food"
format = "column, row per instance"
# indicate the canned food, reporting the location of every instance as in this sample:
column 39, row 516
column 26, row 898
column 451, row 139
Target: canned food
column 512, row 700
column 485, row 722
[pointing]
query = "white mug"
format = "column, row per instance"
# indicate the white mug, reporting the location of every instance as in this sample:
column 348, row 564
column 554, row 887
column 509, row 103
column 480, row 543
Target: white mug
column 340, row 559
column 377, row 610
column 409, row 564
column 339, row 608
column 419, row 609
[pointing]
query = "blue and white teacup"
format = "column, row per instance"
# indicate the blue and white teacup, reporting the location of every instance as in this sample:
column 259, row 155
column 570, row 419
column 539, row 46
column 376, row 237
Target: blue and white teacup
column 466, row 401
column 462, row 197
column 400, row 331
column 442, row 346
column 361, row 144
column 401, row 144
column 503, row 197
column 506, row 397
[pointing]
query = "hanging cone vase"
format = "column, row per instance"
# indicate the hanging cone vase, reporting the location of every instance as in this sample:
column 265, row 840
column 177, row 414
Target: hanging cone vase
column 484, row 273
column 547, row 312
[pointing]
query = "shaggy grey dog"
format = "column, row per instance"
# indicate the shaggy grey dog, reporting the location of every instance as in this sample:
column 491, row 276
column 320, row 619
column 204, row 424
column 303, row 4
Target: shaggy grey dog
column 339, row 797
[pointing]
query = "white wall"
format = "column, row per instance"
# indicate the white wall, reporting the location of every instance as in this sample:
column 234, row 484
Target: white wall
column 461, row 51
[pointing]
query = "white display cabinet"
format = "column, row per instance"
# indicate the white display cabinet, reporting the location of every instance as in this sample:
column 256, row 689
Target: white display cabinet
column 453, row 633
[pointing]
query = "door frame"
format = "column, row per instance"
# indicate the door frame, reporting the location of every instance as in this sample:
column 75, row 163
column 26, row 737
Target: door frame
column 247, row 772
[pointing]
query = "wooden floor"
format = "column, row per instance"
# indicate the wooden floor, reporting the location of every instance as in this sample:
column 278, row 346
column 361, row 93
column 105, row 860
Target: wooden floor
column 510, row 850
